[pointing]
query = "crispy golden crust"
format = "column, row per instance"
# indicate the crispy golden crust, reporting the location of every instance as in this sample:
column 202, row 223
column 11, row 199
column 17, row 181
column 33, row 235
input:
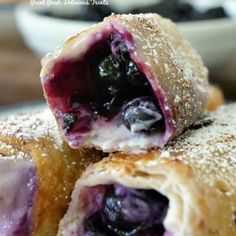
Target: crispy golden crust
column 216, row 98
column 35, row 137
column 196, row 172
column 176, row 71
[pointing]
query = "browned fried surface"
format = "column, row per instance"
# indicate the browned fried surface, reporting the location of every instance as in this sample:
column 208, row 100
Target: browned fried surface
column 216, row 98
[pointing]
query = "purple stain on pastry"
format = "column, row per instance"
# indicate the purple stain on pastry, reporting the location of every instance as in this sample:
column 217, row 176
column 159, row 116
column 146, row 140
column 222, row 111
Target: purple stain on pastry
column 128, row 212
column 94, row 88
column 17, row 194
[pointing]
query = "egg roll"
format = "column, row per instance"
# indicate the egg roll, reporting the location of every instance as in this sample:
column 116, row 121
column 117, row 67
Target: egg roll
column 188, row 188
column 132, row 76
column 37, row 171
column 215, row 99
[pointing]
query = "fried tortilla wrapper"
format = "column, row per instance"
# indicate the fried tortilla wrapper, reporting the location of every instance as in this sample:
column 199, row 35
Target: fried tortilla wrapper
column 216, row 98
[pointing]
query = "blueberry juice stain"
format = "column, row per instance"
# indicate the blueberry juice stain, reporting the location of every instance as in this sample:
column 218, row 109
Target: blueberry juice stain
column 129, row 212
column 103, row 84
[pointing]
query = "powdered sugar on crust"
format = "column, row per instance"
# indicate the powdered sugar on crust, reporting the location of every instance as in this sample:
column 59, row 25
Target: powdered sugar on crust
column 30, row 127
column 209, row 147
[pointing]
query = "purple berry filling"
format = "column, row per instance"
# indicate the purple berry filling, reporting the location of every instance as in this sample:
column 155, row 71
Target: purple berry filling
column 128, row 212
column 17, row 195
column 95, row 88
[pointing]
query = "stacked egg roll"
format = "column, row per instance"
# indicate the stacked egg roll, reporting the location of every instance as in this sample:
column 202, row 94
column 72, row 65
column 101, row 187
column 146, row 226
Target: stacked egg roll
column 188, row 188
column 37, row 171
column 215, row 99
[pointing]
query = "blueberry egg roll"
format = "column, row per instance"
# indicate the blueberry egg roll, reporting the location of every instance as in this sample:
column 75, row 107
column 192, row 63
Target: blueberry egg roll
column 215, row 98
column 187, row 188
column 37, row 171
column 129, row 82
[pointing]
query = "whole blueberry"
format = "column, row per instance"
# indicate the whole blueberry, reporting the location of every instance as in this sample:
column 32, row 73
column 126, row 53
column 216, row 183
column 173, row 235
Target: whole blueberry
column 134, row 76
column 110, row 70
column 114, row 213
column 142, row 114
column 129, row 209
column 113, row 207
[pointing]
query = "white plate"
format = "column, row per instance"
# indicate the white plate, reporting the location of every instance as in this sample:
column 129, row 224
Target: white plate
column 43, row 33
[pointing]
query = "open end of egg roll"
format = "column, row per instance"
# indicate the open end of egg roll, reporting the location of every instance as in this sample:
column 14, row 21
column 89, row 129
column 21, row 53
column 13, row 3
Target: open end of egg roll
column 132, row 76
column 216, row 98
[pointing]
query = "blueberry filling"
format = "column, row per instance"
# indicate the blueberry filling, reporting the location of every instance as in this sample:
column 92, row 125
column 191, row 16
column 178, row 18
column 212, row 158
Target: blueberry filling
column 129, row 212
column 104, row 86
column 119, row 79
column 109, row 70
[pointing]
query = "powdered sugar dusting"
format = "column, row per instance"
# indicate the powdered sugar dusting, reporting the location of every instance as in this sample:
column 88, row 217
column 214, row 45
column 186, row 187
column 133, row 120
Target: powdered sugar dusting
column 31, row 127
column 209, row 147
column 12, row 153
